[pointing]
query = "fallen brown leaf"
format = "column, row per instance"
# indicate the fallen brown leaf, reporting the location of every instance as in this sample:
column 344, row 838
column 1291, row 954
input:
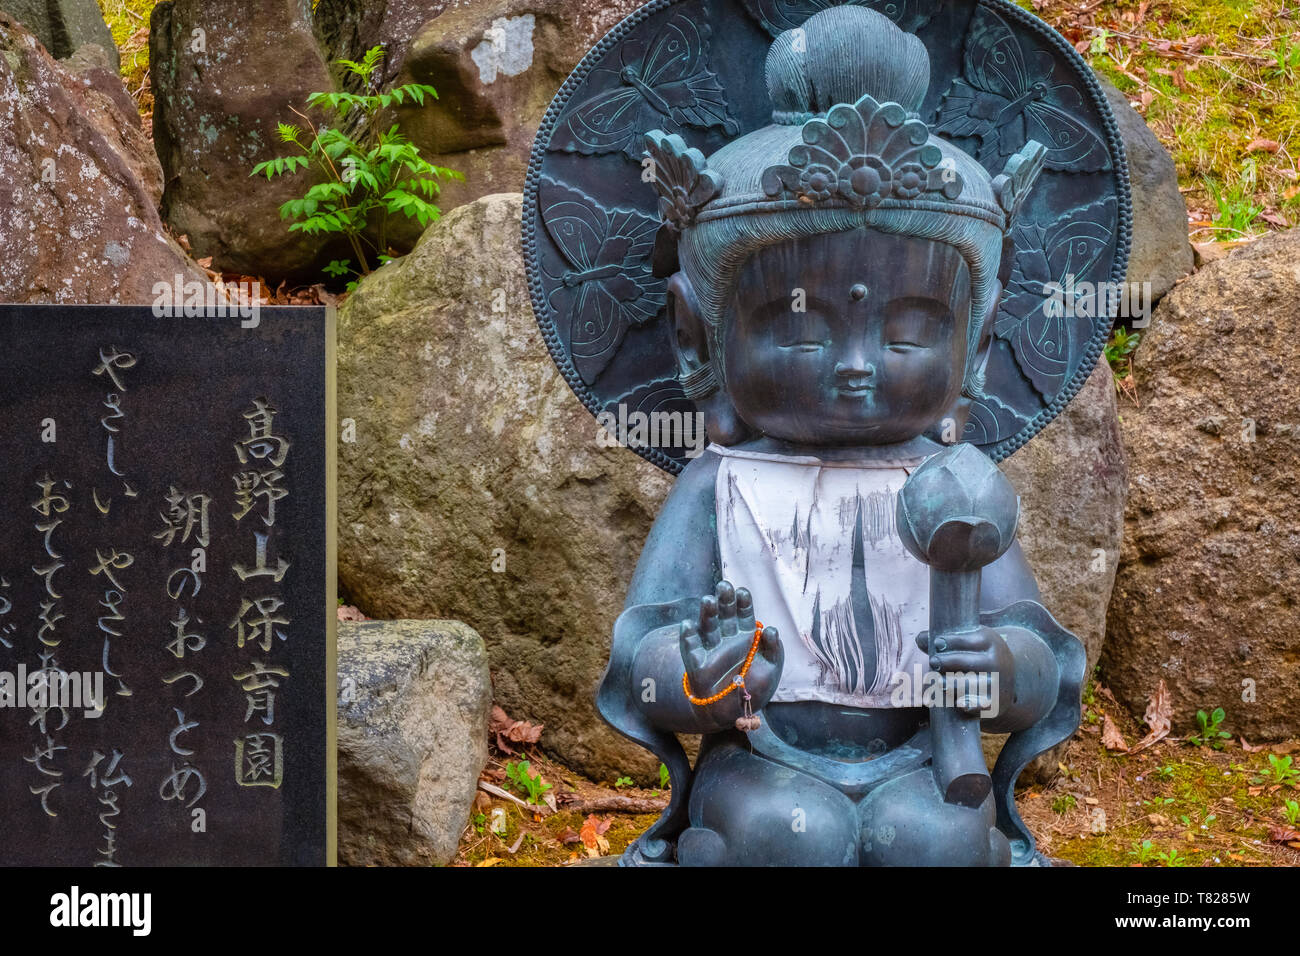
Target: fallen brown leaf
column 507, row 731
column 1111, row 738
column 1283, row 835
column 1158, row 716
column 1263, row 146
column 593, row 835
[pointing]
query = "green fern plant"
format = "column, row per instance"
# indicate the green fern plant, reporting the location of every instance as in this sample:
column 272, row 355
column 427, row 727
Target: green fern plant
column 368, row 178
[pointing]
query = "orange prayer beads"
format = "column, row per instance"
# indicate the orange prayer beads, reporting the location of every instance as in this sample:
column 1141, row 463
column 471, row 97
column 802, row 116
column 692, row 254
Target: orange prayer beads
column 737, row 681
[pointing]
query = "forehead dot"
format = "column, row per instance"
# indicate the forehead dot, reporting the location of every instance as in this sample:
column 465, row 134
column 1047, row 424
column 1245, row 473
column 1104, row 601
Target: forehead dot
column 858, row 292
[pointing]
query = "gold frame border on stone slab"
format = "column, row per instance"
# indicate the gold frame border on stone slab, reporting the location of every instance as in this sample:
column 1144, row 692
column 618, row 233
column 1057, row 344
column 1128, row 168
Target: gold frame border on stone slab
column 331, row 587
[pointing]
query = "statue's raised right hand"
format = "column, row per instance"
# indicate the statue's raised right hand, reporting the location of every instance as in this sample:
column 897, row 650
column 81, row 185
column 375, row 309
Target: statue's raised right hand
column 715, row 648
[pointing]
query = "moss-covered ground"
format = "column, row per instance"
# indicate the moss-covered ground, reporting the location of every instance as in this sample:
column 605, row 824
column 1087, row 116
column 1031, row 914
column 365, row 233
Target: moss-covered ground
column 1219, row 82
column 129, row 21
column 1173, row 804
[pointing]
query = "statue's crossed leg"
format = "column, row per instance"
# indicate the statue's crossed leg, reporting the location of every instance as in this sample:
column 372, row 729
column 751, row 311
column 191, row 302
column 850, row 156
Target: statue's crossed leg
column 747, row 809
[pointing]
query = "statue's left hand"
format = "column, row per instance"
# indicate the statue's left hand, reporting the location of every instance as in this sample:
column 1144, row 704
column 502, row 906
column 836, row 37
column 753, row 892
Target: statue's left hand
column 981, row 651
column 715, row 649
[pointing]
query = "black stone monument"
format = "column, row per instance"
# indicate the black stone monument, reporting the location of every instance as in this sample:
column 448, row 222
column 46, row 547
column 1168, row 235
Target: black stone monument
column 166, row 587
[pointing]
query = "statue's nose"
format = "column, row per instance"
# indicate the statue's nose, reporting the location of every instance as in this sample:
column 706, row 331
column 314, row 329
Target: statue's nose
column 855, row 369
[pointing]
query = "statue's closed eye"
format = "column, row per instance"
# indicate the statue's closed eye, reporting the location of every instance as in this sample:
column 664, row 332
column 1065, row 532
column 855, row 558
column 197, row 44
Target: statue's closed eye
column 804, row 332
column 905, row 346
column 916, row 323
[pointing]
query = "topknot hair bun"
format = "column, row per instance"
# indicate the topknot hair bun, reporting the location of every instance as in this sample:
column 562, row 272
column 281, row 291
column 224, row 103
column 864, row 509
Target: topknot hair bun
column 839, row 55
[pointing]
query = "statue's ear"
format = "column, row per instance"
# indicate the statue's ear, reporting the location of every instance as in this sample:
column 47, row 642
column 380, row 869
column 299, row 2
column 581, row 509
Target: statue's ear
column 697, row 366
column 985, row 344
column 953, row 424
column 690, row 331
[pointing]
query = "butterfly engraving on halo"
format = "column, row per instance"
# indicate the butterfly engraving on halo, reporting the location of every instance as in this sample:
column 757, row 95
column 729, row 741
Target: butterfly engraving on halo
column 777, row 16
column 993, row 420
column 1043, row 310
column 1010, row 96
column 608, row 286
column 663, row 84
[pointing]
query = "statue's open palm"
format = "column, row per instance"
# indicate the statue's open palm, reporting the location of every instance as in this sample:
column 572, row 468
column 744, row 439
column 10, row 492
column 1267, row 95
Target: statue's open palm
column 715, row 648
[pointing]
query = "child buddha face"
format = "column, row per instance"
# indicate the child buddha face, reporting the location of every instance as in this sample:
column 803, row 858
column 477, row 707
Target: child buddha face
column 853, row 338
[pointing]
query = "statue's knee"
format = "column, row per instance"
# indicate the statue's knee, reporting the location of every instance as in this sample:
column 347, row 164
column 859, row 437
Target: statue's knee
column 698, row 846
column 906, row 823
column 747, row 810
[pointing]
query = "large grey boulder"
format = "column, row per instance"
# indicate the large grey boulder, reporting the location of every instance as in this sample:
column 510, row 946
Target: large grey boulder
column 1206, row 595
column 78, row 198
column 63, row 26
column 476, row 487
column 1162, row 253
column 225, row 74
column 414, row 698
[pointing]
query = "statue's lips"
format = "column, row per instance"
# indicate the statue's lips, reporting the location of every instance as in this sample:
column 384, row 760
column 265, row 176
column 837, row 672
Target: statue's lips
column 855, row 391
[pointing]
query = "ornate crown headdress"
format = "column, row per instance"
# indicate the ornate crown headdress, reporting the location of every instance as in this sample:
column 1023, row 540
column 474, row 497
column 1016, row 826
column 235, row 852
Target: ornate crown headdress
column 859, row 156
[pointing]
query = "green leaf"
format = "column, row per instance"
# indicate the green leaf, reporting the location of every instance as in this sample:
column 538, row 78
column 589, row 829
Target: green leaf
column 374, row 56
column 326, row 191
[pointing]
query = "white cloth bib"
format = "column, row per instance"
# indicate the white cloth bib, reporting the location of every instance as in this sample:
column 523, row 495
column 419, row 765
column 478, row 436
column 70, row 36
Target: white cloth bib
column 815, row 543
